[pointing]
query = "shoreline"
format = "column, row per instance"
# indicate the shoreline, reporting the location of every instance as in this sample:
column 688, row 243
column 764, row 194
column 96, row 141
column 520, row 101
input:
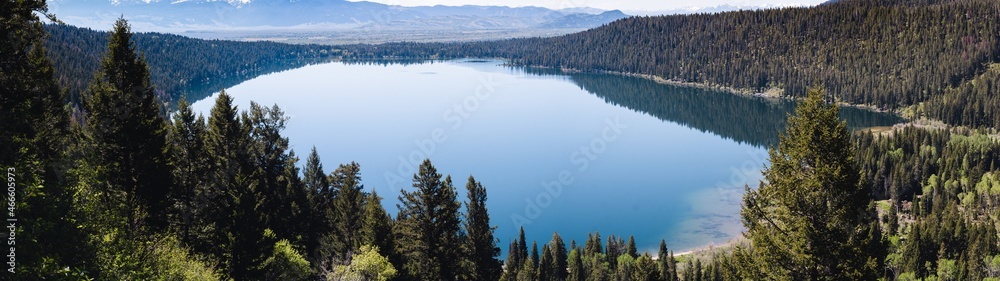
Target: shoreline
column 773, row 93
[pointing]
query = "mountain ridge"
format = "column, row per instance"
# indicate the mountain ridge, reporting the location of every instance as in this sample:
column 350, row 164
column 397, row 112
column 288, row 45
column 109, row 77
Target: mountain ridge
column 188, row 15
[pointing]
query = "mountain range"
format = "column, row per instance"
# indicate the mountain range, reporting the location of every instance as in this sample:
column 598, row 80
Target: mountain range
column 187, row 15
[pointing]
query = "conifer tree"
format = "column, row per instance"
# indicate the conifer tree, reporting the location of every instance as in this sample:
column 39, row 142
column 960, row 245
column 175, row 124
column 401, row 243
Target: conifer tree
column 575, row 266
column 631, row 249
column 376, row 228
column 128, row 134
column 534, row 254
column 810, row 219
column 429, row 225
column 320, row 222
column 480, row 243
column 34, row 149
column 238, row 241
column 348, row 208
column 545, row 265
column 522, row 247
column 189, row 159
column 558, row 262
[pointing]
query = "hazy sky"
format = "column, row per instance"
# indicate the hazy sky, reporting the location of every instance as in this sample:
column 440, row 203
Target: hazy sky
column 628, row 5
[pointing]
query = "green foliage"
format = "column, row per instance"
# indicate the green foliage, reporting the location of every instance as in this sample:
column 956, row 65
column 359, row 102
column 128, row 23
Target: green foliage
column 480, row 244
column 376, row 229
column 626, row 268
column 367, row 264
column 285, row 263
column 428, row 226
column 666, row 265
column 575, row 266
column 127, row 135
column 180, row 66
column 810, row 219
column 348, row 206
column 173, row 262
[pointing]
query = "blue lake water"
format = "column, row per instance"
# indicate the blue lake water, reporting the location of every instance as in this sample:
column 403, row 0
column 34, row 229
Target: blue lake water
column 573, row 153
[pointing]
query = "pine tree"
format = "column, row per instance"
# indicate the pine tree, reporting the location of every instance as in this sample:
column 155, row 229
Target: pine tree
column 348, row 208
column 593, row 245
column 614, row 249
column 558, row 262
column 429, row 226
column 645, row 269
column 313, row 176
column 128, row 134
column 534, row 254
column 320, row 220
column 545, row 265
column 663, row 261
column 480, row 243
column 34, row 149
column 522, row 247
column 511, row 265
column 810, row 219
column 189, row 159
column 238, row 241
column 575, row 265
column 376, row 228
column 631, row 249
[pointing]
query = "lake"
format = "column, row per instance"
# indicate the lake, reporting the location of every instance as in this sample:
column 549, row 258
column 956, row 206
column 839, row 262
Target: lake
column 568, row 152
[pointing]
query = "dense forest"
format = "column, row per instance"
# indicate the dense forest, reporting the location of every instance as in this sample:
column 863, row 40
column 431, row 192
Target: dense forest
column 179, row 66
column 117, row 190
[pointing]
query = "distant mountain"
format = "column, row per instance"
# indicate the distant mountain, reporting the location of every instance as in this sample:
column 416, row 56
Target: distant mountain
column 186, row 15
column 585, row 20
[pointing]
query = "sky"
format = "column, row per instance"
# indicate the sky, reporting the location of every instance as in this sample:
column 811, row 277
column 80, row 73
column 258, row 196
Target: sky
column 625, row 5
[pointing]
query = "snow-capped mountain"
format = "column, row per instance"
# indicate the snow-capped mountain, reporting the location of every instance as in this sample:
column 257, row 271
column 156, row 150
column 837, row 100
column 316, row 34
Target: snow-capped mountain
column 166, row 15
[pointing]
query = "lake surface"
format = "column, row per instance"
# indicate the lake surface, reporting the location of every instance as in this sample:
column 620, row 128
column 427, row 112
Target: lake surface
column 573, row 153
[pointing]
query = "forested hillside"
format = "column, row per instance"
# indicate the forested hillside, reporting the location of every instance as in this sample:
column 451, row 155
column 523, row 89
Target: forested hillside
column 179, row 66
column 888, row 54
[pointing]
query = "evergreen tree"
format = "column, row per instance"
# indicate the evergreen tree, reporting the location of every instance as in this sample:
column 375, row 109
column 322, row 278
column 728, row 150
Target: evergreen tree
column 575, row 266
column 534, row 254
column 189, row 159
column 698, row 276
column 313, row 176
column 511, row 265
column 593, row 245
column 429, row 226
column 810, row 219
column 522, row 247
column 34, row 149
column 348, row 208
column 480, row 243
column 238, row 242
column 663, row 262
column 376, row 228
column 321, row 213
column 545, row 265
column 645, row 269
column 558, row 261
column 128, row 134
column 614, row 249
column 297, row 206
column 631, row 249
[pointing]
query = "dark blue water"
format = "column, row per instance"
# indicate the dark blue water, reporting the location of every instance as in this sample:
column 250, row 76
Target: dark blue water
column 573, row 153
